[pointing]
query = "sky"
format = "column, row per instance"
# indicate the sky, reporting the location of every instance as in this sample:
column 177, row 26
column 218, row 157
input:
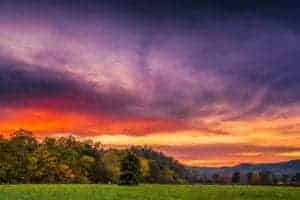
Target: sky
column 207, row 82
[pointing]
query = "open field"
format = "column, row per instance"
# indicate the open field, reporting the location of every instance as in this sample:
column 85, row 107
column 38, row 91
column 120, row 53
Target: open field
column 146, row 192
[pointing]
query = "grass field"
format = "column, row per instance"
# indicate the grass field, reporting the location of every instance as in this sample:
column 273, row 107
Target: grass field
column 146, row 192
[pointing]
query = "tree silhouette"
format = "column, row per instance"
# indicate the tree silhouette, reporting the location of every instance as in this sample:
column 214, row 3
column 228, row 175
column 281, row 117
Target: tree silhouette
column 130, row 170
column 236, row 177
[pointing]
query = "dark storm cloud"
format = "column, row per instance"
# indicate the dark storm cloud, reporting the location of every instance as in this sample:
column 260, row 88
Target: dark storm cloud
column 172, row 9
column 23, row 85
column 25, row 81
column 251, row 47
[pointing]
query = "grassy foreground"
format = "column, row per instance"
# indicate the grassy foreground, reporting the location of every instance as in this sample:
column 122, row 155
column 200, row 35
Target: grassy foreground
column 146, row 192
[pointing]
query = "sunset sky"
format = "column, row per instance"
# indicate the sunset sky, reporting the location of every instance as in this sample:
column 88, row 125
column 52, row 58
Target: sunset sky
column 210, row 83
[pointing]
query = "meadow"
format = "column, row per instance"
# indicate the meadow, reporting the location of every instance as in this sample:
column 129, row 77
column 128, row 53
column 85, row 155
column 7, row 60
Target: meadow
column 146, row 192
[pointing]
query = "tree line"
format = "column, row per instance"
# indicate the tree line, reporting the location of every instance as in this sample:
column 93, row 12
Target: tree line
column 256, row 177
column 24, row 159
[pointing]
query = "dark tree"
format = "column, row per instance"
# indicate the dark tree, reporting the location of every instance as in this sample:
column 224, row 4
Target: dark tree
column 266, row 178
column 249, row 177
column 130, row 170
column 20, row 147
column 236, row 177
column 296, row 179
column 285, row 179
column 155, row 173
column 100, row 174
column 217, row 178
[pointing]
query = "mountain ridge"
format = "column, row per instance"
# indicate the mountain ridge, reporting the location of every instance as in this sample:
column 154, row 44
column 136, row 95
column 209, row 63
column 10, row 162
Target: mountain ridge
column 285, row 167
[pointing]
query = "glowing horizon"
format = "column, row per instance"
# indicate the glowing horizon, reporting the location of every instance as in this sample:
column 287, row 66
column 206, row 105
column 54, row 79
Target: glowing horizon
column 208, row 84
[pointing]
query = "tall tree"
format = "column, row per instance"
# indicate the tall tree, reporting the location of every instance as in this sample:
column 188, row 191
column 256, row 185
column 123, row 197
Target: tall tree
column 266, row 178
column 130, row 170
column 236, row 178
column 20, row 147
column 296, row 179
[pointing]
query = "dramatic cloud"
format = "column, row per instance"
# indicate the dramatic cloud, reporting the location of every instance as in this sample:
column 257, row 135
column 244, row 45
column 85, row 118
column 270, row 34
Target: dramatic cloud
column 147, row 72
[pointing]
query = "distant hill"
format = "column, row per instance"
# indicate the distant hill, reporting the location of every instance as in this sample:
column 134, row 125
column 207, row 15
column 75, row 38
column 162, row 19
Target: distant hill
column 290, row 167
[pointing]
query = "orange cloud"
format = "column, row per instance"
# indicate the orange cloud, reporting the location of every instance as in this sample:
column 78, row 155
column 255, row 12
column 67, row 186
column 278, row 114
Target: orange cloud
column 46, row 122
column 252, row 141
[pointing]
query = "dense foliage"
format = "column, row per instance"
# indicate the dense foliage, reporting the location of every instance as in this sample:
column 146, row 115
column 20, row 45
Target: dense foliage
column 23, row 159
column 130, row 170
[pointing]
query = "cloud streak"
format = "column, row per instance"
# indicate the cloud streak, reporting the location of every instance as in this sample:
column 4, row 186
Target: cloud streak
column 137, row 68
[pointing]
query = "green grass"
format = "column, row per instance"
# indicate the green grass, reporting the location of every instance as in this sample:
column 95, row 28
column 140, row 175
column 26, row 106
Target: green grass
column 146, row 192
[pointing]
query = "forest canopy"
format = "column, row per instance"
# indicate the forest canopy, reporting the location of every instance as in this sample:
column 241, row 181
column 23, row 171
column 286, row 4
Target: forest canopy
column 24, row 159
